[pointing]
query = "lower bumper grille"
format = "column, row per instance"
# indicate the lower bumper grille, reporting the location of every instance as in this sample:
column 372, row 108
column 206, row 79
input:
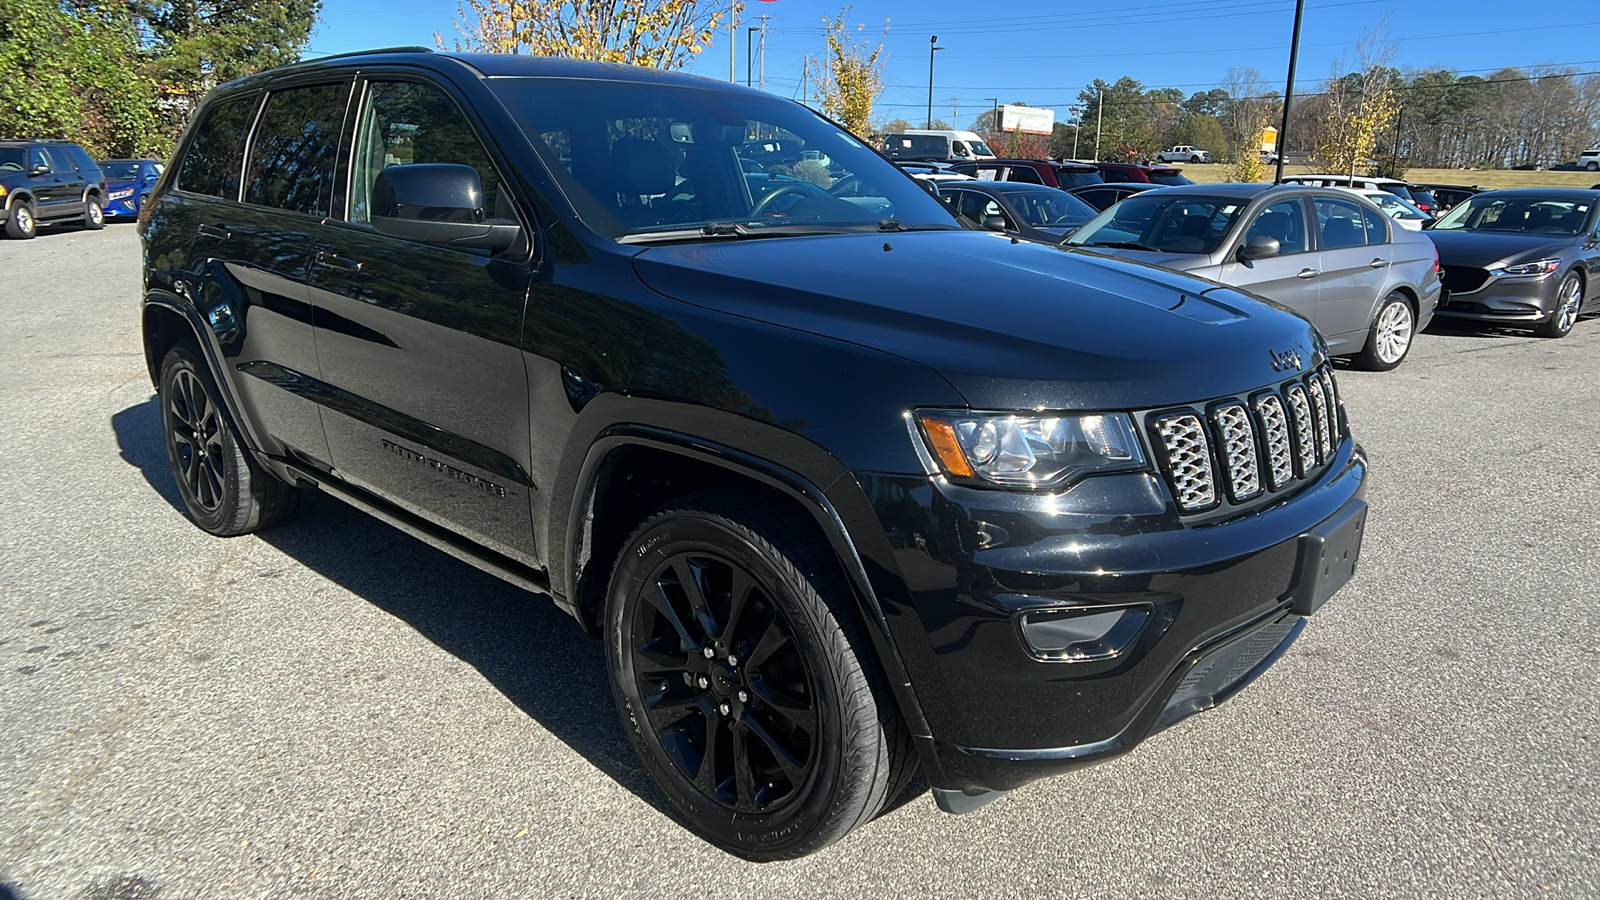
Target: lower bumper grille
column 1464, row 279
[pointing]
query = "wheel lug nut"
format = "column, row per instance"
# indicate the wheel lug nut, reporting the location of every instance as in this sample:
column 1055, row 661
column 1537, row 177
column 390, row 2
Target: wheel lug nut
column 733, row 660
column 710, row 652
column 725, row 709
column 688, row 679
column 744, row 696
column 704, row 682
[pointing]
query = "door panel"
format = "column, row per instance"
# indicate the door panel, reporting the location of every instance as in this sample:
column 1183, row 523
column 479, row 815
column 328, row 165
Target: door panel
column 1354, row 271
column 1290, row 278
column 419, row 344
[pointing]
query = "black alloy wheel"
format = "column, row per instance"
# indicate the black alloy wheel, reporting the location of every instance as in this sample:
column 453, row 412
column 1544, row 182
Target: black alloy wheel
column 224, row 490
column 741, row 683
column 21, row 224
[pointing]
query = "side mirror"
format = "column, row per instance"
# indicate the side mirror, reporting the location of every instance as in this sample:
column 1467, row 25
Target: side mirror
column 437, row 203
column 994, row 223
column 1428, row 223
column 1260, row 247
column 39, row 170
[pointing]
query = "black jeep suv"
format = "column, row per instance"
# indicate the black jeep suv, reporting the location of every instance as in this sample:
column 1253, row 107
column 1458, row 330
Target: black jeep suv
column 847, row 489
column 49, row 181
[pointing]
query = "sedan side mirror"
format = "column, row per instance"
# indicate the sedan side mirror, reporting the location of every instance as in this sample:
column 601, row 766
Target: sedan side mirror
column 437, row 203
column 1260, row 247
column 994, row 223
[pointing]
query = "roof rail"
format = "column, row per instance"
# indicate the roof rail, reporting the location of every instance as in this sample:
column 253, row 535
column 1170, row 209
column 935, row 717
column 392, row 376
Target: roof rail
column 372, row 52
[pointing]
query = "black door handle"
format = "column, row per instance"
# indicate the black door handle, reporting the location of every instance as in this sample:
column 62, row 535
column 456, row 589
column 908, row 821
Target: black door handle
column 220, row 232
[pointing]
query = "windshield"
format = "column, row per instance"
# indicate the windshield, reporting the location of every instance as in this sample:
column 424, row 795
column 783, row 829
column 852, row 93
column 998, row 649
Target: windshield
column 1394, row 207
column 1171, row 179
column 1050, row 208
column 120, row 170
column 1524, row 213
column 980, row 148
column 1156, row 220
column 638, row 160
column 1399, row 190
column 12, row 159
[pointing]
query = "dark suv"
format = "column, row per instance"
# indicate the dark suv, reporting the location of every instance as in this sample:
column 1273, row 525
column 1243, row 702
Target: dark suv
column 848, row 490
column 49, row 181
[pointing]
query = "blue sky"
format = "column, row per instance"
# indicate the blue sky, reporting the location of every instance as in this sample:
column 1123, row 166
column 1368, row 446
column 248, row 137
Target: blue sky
column 1045, row 58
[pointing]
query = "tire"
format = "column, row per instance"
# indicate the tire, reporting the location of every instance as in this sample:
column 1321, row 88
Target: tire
column 1393, row 331
column 1194, row 159
column 1594, row 167
column 769, row 755
column 224, row 490
column 21, row 224
column 1569, row 299
column 94, row 214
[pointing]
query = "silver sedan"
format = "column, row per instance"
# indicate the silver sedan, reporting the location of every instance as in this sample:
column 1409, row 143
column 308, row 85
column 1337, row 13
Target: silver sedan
column 1368, row 285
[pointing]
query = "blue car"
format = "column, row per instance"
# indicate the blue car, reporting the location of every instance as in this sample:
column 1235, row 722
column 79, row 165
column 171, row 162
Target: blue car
column 128, row 183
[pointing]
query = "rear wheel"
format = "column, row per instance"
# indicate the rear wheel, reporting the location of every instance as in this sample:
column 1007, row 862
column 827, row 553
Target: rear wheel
column 94, row 215
column 742, row 680
column 1389, row 339
column 1569, row 298
column 224, row 489
column 21, row 224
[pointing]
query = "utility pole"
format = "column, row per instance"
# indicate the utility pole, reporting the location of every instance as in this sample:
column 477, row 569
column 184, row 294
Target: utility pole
column 762, row 54
column 749, row 45
column 733, row 42
column 995, row 124
column 1288, row 90
column 805, row 82
column 1099, row 119
column 1394, row 157
column 933, row 45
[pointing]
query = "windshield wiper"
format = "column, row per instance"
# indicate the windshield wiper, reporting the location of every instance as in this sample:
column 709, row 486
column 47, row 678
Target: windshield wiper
column 1119, row 245
column 733, row 230
column 892, row 225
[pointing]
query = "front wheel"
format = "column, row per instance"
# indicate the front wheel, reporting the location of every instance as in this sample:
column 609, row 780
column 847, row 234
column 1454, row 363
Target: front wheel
column 21, row 224
column 225, row 491
column 94, row 215
column 1389, row 339
column 1594, row 167
column 741, row 679
column 1569, row 298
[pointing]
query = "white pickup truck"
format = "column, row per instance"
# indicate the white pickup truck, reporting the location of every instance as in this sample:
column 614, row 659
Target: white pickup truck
column 1185, row 153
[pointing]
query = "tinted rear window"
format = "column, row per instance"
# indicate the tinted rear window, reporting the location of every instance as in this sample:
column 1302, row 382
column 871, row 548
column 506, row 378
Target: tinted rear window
column 80, row 158
column 215, row 157
column 291, row 157
column 1172, row 179
column 1399, row 190
column 1071, row 178
column 12, row 159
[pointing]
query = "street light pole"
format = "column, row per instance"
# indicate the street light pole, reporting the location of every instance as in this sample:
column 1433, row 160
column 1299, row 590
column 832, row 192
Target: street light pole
column 749, row 44
column 1099, row 118
column 1288, row 90
column 933, row 44
column 995, row 124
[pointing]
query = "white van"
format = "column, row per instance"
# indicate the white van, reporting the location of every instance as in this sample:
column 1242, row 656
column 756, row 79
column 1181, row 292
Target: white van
column 935, row 145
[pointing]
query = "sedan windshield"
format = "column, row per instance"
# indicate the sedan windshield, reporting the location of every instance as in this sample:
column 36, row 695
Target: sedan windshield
column 1157, row 220
column 120, row 170
column 1525, row 213
column 1050, row 208
column 646, row 162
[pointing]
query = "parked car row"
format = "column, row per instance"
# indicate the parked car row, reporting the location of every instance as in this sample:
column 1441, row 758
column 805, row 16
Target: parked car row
column 53, row 181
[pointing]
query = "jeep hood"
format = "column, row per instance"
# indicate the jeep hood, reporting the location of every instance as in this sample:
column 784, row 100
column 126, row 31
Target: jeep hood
column 1009, row 325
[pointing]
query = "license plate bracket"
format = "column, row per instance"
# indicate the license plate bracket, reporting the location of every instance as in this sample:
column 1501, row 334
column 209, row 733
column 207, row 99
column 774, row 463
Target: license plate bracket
column 1328, row 555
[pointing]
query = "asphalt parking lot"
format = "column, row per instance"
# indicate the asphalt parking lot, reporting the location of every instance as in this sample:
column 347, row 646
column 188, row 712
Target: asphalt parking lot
column 333, row 709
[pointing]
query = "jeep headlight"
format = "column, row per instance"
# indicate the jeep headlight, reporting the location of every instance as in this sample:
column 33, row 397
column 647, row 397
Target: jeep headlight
column 1539, row 267
column 1039, row 450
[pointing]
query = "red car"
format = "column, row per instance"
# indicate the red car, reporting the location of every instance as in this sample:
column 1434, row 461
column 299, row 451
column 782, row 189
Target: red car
column 1116, row 172
column 1063, row 175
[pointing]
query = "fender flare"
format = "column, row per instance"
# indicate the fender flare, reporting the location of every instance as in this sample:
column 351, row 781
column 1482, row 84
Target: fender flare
column 808, row 495
column 173, row 304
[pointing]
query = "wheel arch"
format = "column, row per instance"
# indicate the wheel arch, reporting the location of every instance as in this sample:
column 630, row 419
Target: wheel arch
column 631, row 470
column 22, row 195
column 167, row 320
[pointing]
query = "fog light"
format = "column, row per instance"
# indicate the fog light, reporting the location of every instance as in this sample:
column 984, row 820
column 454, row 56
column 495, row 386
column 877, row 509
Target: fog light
column 1082, row 634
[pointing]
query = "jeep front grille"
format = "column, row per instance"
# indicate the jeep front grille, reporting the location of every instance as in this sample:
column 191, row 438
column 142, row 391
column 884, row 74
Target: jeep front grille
column 1268, row 440
column 1188, row 461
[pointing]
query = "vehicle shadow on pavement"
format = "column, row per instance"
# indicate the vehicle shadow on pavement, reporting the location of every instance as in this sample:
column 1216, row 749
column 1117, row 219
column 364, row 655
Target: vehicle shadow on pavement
column 138, row 431
column 525, row 647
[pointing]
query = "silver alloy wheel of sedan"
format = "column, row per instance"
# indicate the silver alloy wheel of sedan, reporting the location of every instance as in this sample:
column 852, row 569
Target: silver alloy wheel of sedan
column 1395, row 328
column 1569, row 298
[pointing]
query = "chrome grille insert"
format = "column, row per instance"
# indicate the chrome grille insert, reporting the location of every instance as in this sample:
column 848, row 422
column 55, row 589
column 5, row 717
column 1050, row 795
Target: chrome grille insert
column 1319, row 404
column 1275, row 435
column 1238, row 438
column 1333, row 406
column 1305, row 437
column 1189, row 461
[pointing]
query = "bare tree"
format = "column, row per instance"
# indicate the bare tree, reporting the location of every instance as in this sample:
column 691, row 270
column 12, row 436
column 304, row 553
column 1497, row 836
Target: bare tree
column 1359, row 106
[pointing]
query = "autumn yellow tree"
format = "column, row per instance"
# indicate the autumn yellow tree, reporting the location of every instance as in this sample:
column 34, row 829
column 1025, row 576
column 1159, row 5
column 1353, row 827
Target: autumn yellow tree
column 661, row 34
column 1359, row 106
column 850, row 79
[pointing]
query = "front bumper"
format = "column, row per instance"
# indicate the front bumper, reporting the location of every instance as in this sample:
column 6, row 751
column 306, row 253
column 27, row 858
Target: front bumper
column 1515, row 299
column 123, row 207
column 1215, row 603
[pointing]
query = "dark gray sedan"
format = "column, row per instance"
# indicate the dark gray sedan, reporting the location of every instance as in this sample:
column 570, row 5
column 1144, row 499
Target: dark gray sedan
column 1522, row 257
column 1030, row 211
column 1368, row 285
